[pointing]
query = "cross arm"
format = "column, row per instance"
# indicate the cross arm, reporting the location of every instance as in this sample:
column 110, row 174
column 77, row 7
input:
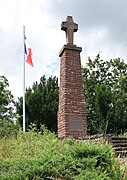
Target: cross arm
column 63, row 26
column 75, row 27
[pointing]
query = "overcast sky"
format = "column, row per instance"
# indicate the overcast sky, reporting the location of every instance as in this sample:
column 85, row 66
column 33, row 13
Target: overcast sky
column 102, row 28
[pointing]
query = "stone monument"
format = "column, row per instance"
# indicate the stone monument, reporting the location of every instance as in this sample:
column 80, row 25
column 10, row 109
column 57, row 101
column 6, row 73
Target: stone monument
column 71, row 110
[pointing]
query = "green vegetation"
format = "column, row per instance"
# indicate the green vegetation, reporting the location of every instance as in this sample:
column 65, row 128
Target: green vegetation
column 105, row 89
column 8, row 124
column 35, row 155
column 8, row 128
column 6, row 100
column 41, row 104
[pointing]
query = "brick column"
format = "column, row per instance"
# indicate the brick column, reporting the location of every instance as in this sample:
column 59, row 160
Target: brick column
column 71, row 111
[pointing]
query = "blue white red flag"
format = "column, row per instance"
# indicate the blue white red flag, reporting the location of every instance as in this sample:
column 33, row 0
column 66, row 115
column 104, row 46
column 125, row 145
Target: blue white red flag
column 28, row 53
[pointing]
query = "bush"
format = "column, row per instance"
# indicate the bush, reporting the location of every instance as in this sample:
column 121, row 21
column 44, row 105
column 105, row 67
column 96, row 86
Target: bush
column 34, row 155
column 8, row 128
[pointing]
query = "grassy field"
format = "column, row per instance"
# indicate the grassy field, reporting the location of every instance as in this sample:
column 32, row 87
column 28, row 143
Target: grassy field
column 34, row 155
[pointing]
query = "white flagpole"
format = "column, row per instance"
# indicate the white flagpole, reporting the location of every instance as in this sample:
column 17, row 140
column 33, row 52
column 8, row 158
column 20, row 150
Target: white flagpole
column 24, row 121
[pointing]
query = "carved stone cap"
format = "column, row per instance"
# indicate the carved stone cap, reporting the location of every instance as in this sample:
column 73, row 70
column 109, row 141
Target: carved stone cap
column 69, row 47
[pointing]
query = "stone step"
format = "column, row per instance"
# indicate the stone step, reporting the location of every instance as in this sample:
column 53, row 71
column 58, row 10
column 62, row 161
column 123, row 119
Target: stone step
column 120, row 148
column 121, row 153
column 119, row 138
column 118, row 141
column 119, row 144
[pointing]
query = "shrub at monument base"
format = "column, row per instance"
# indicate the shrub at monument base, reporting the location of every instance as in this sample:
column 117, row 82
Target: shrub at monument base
column 35, row 156
column 8, row 128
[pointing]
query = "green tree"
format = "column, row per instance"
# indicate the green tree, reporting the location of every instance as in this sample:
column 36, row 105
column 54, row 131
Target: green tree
column 8, row 125
column 41, row 103
column 6, row 100
column 105, row 89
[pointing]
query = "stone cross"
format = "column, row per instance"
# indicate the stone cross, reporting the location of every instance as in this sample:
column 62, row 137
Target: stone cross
column 69, row 27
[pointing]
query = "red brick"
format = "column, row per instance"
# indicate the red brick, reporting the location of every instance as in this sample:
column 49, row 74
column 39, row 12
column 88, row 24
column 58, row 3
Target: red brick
column 71, row 97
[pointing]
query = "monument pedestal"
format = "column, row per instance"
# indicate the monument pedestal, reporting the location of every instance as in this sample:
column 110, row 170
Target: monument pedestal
column 71, row 110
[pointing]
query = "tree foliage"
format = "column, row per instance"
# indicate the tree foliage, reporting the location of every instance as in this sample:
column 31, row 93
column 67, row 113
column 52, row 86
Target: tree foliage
column 6, row 100
column 41, row 103
column 105, row 89
column 8, row 124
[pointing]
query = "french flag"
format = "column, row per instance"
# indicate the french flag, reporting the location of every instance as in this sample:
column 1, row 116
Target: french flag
column 28, row 53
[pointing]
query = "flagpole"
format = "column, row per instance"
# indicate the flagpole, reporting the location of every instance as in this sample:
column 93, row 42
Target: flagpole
column 24, row 121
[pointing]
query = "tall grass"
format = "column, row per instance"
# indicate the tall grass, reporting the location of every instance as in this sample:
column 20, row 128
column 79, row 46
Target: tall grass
column 34, row 155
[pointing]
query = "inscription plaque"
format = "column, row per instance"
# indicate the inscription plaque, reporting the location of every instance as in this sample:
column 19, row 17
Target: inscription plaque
column 75, row 123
